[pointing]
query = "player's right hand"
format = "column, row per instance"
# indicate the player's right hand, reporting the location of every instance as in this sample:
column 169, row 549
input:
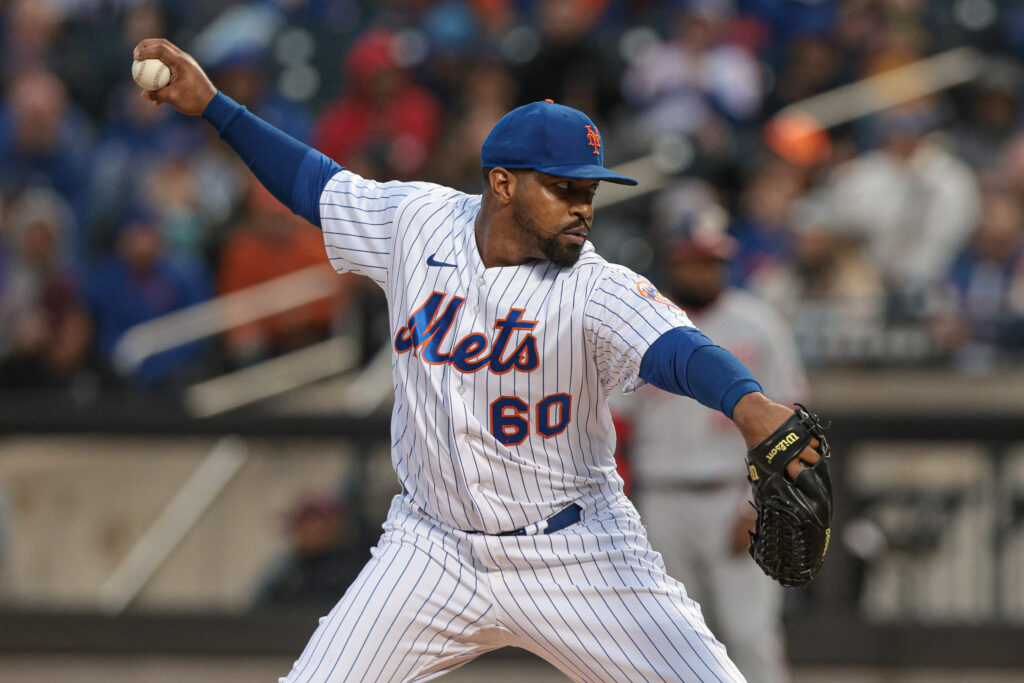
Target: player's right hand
column 189, row 90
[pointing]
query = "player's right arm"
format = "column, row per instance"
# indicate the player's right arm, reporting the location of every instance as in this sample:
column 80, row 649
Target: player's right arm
column 293, row 172
column 355, row 214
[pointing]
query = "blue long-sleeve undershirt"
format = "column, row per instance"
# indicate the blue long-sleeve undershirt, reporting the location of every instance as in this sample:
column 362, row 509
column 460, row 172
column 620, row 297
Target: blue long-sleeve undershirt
column 293, row 172
column 684, row 361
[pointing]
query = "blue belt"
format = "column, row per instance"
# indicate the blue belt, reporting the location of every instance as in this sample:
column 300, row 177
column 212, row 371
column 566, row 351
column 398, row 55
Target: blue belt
column 555, row 522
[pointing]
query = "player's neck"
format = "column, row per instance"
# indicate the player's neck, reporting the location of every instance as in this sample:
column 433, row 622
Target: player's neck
column 497, row 246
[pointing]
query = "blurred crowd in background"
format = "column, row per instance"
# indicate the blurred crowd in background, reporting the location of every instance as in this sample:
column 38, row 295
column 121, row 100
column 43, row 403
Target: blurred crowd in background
column 895, row 238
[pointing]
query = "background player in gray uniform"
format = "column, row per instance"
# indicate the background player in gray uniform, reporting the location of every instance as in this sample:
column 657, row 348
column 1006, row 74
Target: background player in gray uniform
column 509, row 333
column 694, row 500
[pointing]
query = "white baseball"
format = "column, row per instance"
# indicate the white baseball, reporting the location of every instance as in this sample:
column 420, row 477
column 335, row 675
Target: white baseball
column 151, row 74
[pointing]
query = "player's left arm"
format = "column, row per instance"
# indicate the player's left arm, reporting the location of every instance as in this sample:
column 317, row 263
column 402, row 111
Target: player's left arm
column 684, row 361
column 639, row 335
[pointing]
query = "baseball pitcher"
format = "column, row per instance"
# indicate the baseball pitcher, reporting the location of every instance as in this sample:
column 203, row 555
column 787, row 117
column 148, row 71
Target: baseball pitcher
column 508, row 334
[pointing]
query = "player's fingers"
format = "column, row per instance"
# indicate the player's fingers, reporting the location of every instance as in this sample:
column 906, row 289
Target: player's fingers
column 808, row 457
column 151, row 42
column 166, row 53
column 154, row 96
column 793, row 468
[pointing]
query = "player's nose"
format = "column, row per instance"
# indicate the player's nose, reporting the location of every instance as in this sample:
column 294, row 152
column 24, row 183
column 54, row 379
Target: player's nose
column 583, row 211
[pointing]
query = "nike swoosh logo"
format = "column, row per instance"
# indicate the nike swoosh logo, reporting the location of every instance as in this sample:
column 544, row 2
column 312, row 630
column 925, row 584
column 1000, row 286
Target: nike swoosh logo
column 432, row 262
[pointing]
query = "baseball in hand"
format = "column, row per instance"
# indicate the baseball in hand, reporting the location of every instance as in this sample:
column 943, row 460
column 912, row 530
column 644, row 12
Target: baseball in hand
column 151, row 74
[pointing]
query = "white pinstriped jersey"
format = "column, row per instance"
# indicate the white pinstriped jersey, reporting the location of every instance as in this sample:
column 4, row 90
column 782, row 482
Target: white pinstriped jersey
column 501, row 374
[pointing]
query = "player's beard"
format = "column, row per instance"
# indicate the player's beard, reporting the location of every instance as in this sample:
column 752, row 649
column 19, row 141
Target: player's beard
column 561, row 252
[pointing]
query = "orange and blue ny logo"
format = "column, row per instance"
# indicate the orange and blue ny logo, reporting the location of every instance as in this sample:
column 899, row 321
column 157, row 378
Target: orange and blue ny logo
column 594, row 139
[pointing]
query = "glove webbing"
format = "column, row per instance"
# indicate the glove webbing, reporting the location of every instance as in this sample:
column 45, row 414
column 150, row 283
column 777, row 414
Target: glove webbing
column 780, row 533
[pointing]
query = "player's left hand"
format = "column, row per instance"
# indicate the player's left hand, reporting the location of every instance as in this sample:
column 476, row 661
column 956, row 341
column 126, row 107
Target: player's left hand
column 189, row 90
column 794, row 513
column 757, row 417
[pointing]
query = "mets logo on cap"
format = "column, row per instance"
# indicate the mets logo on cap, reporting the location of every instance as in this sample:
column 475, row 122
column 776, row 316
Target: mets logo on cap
column 594, row 139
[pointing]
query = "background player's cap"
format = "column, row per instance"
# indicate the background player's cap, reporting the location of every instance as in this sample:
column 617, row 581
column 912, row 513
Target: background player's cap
column 700, row 234
column 550, row 138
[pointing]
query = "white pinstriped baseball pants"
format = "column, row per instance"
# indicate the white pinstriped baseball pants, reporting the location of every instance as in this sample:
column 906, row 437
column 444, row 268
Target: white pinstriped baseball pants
column 592, row 599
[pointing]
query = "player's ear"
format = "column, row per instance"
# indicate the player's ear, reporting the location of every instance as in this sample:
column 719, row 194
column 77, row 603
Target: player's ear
column 502, row 183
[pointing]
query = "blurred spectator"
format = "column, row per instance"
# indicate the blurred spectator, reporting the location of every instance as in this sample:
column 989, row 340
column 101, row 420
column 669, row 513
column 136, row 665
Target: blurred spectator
column 44, row 140
column 245, row 77
column 992, row 114
column 236, row 51
column 452, row 29
column 1009, row 170
column 695, row 83
column 487, row 94
column 45, row 331
column 812, row 65
column 828, row 289
column 174, row 190
column 136, row 137
column 761, row 225
column 323, row 558
column 786, row 26
column 912, row 200
column 495, row 16
column 981, row 318
column 143, row 281
column 569, row 67
column 93, row 51
column 385, row 126
column 30, row 28
column 270, row 243
column 861, row 31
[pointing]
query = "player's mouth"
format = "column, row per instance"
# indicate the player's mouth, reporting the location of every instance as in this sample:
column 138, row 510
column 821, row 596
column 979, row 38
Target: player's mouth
column 578, row 232
column 577, row 237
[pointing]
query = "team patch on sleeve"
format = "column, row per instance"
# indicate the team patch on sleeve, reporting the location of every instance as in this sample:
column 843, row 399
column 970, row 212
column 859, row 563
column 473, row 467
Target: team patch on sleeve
column 649, row 291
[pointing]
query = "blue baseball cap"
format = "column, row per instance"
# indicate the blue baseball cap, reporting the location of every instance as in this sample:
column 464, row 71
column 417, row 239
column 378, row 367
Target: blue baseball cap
column 550, row 138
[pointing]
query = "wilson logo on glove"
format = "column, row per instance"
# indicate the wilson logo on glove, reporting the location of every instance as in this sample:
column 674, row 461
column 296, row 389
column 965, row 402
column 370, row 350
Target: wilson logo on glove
column 781, row 447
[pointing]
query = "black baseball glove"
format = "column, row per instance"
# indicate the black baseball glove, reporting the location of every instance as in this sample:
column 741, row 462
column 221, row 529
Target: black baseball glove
column 793, row 517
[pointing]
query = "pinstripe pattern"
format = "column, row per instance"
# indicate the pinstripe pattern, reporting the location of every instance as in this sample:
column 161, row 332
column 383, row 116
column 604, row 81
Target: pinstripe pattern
column 501, row 420
column 593, row 600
